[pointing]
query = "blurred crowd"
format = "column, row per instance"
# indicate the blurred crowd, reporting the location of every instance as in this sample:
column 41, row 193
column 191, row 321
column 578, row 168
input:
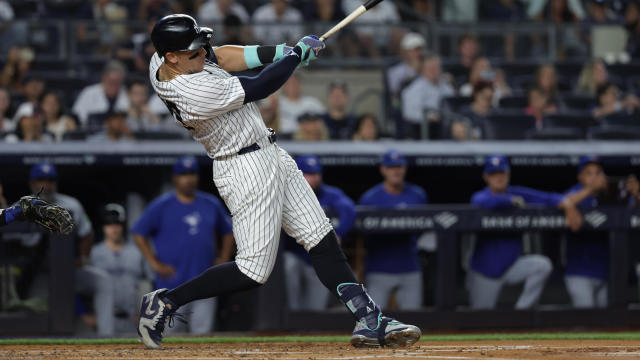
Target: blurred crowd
column 481, row 86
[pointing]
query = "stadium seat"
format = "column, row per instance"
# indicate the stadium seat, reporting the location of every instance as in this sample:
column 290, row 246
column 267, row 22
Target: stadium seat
column 75, row 135
column 579, row 120
column 514, row 102
column 556, row 133
column 158, row 135
column 508, row 126
column 455, row 103
column 614, row 133
column 582, row 103
column 620, row 119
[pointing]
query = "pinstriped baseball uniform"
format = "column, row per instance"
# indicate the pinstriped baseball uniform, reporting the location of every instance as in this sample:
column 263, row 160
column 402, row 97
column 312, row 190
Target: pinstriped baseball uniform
column 263, row 189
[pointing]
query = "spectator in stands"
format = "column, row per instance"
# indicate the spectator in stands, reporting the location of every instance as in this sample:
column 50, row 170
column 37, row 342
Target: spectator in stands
column 56, row 121
column 29, row 127
column 632, row 24
column 366, row 128
column 18, row 64
column 481, row 70
column 304, row 289
column 311, row 127
column 630, row 191
column 276, row 22
column 293, row 104
column 391, row 263
column 468, row 51
column 215, row 13
column 600, row 13
column 317, row 14
column 124, row 266
column 106, row 96
column 270, row 111
column 373, row 38
column 338, row 120
column 497, row 257
column 558, row 11
column 426, row 92
column 460, row 11
column 547, row 80
column 6, row 124
column 156, row 9
column 593, row 75
column 115, row 129
column 13, row 31
column 587, row 270
column 471, row 127
column 401, row 74
column 539, row 105
column 139, row 115
column 136, row 53
column 185, row 216
column 33, row 87
column 610, row 102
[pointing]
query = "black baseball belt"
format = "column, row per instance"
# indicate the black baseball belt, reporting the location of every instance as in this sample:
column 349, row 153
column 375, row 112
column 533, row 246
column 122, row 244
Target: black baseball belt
column 253, row 147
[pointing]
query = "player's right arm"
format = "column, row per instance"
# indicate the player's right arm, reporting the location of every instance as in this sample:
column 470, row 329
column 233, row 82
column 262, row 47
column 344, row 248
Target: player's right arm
column 239, row 58
column 163, row 270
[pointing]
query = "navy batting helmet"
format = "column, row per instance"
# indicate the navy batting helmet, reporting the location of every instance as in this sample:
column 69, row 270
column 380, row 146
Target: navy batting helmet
column 180, row 32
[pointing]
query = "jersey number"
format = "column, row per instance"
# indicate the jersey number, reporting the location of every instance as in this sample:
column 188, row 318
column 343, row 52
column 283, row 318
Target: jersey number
column 173, row 109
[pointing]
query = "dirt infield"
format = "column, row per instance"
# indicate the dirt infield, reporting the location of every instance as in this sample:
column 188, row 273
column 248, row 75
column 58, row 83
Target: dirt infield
column 483, row 350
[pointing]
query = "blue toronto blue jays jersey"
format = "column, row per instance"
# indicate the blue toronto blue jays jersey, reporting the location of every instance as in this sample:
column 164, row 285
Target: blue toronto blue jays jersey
column 495, row 252
column 332, row 200
column 184, row 235
column 395, row 254
column 587, row 251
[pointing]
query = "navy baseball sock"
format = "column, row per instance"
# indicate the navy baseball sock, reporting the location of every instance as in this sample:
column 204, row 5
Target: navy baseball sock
column 333, row 271
column 330, row 263
column 217, row 280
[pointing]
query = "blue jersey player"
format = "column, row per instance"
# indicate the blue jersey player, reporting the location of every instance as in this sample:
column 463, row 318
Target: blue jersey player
column 497, row 257
column 392, row 261
column 304, row 289
column 587, row 268
column 183, row 225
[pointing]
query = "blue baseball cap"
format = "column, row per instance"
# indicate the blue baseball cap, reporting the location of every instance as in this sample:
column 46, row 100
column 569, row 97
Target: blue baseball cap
column 43, row 171
column 309, row 164
column 496, row 163
column 586, row 160
column 393, row 158
column 185, row 165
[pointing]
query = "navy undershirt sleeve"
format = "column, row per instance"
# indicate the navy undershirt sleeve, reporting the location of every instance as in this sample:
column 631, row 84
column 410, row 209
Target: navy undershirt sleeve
column 270, row 79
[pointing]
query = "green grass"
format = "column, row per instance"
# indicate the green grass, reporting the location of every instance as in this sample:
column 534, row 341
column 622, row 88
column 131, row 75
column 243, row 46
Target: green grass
column 345, row 339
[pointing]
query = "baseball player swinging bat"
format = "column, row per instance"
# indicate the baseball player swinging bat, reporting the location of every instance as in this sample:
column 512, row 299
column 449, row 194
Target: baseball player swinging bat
column 354, row 15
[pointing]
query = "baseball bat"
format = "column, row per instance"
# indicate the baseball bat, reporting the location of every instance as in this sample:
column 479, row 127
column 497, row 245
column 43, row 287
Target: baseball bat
column 354, row 14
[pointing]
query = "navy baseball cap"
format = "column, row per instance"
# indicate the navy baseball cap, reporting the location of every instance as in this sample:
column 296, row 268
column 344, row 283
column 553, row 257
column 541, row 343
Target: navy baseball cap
column 586, row 160
column 393, row 158
column 185, row 165
column 43, row 171
column 496, row 163
column 114, row 214
column 309, row 164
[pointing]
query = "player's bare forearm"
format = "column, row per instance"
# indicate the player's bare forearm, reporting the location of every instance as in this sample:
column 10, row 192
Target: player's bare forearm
column 145, row 249
column 575, row 198
column 231, row 58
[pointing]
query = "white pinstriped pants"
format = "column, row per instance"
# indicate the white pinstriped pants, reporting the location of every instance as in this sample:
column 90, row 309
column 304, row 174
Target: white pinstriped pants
column 265, row 191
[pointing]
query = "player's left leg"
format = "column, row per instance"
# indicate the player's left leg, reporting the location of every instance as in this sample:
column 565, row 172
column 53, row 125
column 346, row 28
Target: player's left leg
column 304, row 220
column 534, row 271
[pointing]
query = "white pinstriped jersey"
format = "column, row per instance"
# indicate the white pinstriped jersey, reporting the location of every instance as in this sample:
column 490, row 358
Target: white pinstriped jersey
column 210, row 105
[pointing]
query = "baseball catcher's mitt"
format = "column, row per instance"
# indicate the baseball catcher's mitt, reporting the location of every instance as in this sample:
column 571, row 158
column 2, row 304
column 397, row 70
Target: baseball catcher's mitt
column 50, row 216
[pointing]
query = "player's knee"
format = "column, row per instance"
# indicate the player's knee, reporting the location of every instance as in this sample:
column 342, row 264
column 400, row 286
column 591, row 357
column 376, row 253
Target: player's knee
column 544, row 265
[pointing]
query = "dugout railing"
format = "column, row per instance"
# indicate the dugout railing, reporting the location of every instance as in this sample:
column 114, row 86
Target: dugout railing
column 271, row 313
